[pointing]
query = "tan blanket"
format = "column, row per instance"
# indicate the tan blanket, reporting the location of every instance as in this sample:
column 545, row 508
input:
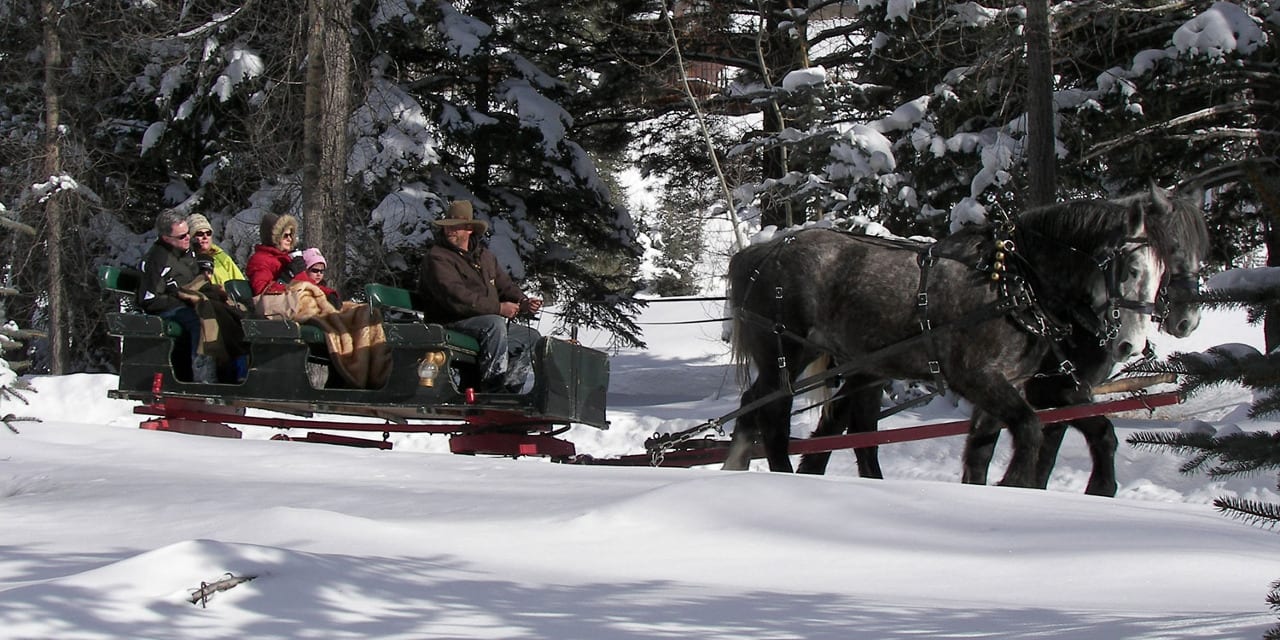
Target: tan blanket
column 357, row 345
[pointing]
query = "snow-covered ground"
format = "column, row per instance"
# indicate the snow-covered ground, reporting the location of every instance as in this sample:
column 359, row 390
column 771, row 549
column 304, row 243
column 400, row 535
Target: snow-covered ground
column 106, row 530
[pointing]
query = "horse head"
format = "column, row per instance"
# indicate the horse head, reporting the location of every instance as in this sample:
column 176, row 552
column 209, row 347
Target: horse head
column 1133, row 280
column 1180, row 239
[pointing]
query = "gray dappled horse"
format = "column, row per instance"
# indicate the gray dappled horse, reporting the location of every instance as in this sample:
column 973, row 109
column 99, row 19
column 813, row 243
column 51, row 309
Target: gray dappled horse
column 998, row 299
column 1178, row 246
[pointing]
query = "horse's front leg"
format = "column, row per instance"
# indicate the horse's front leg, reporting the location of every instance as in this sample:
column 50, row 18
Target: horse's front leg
column 1100, row 434
column 979, row 447
column 996, row 397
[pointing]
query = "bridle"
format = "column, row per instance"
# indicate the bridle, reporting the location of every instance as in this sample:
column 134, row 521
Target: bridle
column 1175, row 288
column 1112, row 264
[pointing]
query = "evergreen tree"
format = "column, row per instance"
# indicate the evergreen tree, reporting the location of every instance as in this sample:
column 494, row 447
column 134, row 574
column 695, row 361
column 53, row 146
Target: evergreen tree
column 1229, row 453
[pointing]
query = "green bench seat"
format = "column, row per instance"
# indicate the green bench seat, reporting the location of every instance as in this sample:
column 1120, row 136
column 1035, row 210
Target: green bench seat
column 123, row 283
column 401, row 305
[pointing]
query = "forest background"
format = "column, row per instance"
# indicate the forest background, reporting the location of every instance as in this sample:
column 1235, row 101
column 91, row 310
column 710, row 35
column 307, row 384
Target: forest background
column 365, row 118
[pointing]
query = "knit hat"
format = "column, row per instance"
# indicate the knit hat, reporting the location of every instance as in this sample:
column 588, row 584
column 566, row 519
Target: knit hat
column 312, row 257
column 460, row 213
column 197, row 222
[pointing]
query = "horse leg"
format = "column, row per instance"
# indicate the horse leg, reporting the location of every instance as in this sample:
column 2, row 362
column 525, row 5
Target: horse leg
column 865, row 418
column 830, row 424
column 768, row 425
column 1053, row 435
column 1098, row 431
column 979, row 447
column 1100, row 434
column 1003, row 402
column 856, row 409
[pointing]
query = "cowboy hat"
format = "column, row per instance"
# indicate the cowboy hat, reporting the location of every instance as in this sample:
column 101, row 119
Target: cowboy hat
column 460, row 213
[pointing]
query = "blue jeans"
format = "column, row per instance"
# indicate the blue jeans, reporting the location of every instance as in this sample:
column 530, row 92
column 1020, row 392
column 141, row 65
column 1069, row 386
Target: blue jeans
column 184, row 348
column 506, row 349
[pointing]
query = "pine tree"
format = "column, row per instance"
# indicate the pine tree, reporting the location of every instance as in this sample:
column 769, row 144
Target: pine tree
column 1233, row 453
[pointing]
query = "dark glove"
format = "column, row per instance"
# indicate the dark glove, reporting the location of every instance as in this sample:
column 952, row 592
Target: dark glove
column 288, row 271
column 296, row 265
column 205, row 263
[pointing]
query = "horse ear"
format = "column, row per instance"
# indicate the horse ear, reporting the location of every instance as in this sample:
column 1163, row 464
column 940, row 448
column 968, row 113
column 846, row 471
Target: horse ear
column 1161, row 199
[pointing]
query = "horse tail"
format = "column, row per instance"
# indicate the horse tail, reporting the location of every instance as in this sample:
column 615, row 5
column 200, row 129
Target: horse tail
column 819, row 366
column 739, row 356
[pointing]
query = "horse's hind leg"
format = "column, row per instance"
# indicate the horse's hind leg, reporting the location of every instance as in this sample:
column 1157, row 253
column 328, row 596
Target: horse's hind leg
column 855, row 410
column 768, row 425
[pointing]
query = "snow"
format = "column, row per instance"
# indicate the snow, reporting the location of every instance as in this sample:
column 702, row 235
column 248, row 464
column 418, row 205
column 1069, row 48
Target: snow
column 108, row 529
column 1224, row 28
column 800, row 78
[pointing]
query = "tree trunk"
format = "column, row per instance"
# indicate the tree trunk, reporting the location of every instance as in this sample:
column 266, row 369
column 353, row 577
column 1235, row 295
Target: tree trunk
column 326, row 143
column 58, row 354
column 1041, row 162
column 1271, row 321
column 781, row 55
column 484, row 145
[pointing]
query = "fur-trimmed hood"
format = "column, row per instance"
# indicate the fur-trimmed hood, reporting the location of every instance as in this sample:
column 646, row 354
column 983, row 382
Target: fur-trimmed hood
column 272, row 228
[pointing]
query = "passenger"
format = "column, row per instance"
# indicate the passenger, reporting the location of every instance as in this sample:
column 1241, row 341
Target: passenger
column 274, row 262
column 218, row 266
column 170, row 289
column 221, row 267
column 314, row 273
column 470, row 293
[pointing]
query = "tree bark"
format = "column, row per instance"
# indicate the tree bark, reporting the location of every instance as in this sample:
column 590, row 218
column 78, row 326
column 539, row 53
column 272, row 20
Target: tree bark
column 58, row 347
column 1041, row 161
column 326, row 143
column 780, row 54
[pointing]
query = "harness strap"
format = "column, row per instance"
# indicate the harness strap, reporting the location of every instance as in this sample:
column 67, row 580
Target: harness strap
column 926, row 260
column 989, row 312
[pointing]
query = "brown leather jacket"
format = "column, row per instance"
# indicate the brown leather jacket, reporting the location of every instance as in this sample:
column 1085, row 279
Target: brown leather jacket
column 458, row 284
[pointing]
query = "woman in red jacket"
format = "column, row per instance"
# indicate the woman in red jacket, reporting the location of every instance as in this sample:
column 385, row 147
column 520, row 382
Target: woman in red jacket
column 274, row 262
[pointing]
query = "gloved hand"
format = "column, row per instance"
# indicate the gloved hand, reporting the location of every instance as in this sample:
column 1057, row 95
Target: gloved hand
column 296, row 265
column 205, row 263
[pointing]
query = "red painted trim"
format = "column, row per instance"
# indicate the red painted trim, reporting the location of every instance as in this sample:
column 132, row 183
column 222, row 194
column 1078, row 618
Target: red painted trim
column 689, row 458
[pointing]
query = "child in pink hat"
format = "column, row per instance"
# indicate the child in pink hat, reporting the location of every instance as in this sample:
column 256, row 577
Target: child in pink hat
column 314, row 273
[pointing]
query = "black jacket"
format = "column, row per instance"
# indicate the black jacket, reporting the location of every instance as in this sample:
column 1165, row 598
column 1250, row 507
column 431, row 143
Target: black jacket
column 164, row 270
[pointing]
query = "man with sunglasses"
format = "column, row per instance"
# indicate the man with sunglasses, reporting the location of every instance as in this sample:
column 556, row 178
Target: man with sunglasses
column 168, row 267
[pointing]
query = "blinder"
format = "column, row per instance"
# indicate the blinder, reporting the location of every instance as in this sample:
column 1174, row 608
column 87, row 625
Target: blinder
column 1112, row 265
column 1175, row 288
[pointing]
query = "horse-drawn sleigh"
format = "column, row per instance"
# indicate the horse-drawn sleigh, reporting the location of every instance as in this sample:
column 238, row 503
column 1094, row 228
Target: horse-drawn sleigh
column 1033, row 310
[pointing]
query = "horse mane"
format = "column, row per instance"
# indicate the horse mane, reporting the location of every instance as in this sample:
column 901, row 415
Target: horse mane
column 1078, row 223
column 1183, row 229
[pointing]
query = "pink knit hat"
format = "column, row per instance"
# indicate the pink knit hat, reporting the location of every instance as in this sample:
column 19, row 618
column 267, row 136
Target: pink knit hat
column 312, row 257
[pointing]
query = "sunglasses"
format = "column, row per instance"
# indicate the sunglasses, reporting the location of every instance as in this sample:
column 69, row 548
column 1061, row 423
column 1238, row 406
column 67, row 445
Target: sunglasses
column 203, row 234
column 287, row 235
column 315, row 270
column 181, row 237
